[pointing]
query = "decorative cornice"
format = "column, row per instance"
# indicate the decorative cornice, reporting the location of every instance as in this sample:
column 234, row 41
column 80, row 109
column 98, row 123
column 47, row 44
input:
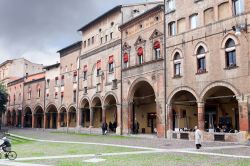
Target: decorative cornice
column 103, row 48
column 155, row 34
column 139, row 41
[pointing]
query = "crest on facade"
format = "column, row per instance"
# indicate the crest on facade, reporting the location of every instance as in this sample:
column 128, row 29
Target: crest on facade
column 155, row 34
column 126, row 46
column 139, row 41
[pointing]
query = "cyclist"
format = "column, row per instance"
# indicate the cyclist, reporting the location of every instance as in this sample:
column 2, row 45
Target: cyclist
column 5, row 144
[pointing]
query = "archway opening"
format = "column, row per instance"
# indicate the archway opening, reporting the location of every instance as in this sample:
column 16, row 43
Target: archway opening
column 72, row 117
column 144, row 114
column 28, row 118
column 110, row 113
column 63, row 117
column 39, row 117
column 8, row 120
column 51, row 117
column 19, row 118
column 14, row 124
column 85, row 114
column 221, row 110
column 184, row 115
column 97, row 112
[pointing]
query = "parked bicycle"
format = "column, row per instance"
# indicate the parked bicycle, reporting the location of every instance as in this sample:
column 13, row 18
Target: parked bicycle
column 5, row 149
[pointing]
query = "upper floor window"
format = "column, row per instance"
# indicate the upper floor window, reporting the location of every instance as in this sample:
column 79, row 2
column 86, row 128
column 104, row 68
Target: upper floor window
column 238, row 6
column 201, row 60
column 111, row 64
column 106, row 38
column 88, row 42
column 224, row 10
column 111, row 35
column 125, row 60
column 193, row 21
column 172, row 28
column 177, row 64
column 140, row 55
column 170, row 5
column 181, row 25
column 38, row 91
column 56, row 81
column 75, row 76
column 74, row 96
column 62, row 80
column 101, row 40
column 84, row 44
column 98, row 68
column 93, row 40
column 209, row 16
column 85, row 70
column 48, row 83
column 29, row 94
column 157, row 50
column 230, row 53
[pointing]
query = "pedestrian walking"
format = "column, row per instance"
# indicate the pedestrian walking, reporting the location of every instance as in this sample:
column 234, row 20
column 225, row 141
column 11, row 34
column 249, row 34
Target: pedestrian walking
column 104, row 128
column 198, row 135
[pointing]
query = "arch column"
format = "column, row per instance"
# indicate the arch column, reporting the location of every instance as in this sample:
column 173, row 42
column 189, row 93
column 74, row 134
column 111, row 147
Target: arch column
column 22, row 119
column 44, row 120
column 243, row 116
column 58, row 120
column 201, row 115
column 33, row 120
column 119, row 120
column 103, row 114
column 91, row 113
column 170, row 117
column 67, row 119
column 79, row 117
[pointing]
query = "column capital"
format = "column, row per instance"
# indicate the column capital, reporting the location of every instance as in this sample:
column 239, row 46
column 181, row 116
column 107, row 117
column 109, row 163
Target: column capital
column 200, row 104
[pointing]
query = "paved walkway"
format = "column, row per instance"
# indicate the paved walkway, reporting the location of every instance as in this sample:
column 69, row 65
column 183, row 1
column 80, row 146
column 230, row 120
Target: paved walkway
column 117, row 140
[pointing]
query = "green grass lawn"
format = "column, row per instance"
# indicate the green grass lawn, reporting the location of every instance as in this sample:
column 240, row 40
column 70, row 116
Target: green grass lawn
column 26, row 148
column 152, row 160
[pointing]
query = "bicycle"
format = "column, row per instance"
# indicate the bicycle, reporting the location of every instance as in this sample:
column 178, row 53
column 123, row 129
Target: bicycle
column 8, row 154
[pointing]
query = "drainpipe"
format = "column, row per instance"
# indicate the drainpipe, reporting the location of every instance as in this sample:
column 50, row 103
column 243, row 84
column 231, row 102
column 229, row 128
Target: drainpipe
column 77, row 93
column 121, row 125
column 165, row 72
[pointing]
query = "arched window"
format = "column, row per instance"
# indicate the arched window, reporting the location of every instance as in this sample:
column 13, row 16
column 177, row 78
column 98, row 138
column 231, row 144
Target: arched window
column 230, row 53
column 177, row 65
column 157, row 50
column 201, row 60
column 140, row 55
column 125, row 60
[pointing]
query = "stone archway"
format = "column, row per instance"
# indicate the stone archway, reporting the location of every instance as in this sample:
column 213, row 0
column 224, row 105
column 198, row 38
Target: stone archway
column 38, row 117
column 85, row 113
column 143, row 114
column 221, row 109
column 51, row 117
column 109, row 113
column 183, row 112
column 72, row 117
column 27, row 122
column 96, row 113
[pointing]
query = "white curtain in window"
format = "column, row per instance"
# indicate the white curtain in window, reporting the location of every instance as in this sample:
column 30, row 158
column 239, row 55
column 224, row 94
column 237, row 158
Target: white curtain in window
column 193, row 21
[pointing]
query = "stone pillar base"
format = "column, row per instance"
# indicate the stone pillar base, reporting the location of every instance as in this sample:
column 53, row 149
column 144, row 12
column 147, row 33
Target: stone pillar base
column 118, row 131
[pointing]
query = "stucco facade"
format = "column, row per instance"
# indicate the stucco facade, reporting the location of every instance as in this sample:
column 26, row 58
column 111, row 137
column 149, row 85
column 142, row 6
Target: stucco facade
column 204, row 86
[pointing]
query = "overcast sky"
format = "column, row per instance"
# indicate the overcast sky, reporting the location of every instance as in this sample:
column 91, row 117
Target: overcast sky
column 36, row 29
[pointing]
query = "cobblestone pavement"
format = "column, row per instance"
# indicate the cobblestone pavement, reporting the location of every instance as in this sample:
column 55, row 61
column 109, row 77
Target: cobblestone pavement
column 131, row 141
